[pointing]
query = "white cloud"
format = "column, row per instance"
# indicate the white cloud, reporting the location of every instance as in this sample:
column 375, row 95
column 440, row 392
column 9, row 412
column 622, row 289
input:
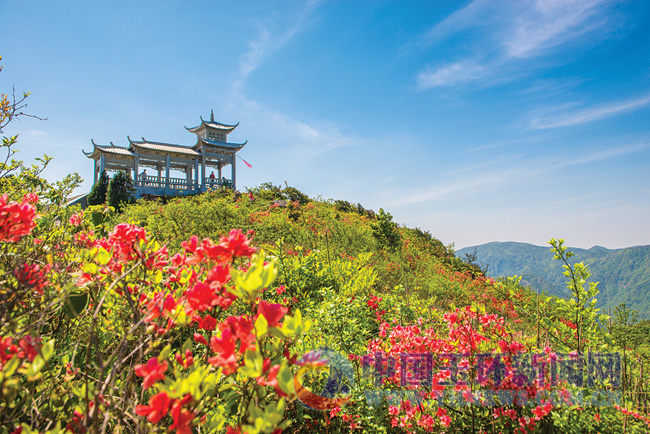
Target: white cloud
column 507, row 33
column 452, row 74
column 560, row 117
column 548, row 24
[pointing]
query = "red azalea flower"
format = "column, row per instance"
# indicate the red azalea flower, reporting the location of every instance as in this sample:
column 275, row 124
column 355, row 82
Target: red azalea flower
column 182, row 416
column 152, row 372
column 191, row 245
column 218, row 276
column 208, row 323
column 33, row 276
column 225, row 348
column 201, row 297
column 241, row 328
column 76, row 219
column 237, row 244
column 273, row 313
column 158, row 407
column 198, row 337
column 28, row 346
column 31, row 198
column 129, row 234
column 271, row 379
column 16, row 220
column 187, row 361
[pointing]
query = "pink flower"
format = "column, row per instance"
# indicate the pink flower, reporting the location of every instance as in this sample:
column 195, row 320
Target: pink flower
column 16, row 220
column 31, row 198
column 76, row 219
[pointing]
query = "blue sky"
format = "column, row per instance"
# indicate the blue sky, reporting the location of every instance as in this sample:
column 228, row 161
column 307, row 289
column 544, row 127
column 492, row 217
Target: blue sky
column 479, row 121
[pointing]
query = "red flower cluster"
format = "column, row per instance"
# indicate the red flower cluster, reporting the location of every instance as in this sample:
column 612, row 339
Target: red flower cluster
column 16, row 219
column 233, row 330
column 76, row 219
column 373, row 303
column 152, row 372
column 236, row 245
column 26, row 349
column 32, row 276
column 160, row 405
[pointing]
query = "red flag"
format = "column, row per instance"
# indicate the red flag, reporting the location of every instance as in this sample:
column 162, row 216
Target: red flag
column 246, row 162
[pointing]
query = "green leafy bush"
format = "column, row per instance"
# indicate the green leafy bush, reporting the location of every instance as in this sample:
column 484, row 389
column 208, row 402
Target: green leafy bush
column 120, row 190
column 99, row 191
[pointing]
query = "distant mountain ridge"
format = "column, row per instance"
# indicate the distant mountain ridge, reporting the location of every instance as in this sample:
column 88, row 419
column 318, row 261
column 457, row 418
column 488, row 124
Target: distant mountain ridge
column 623, row 274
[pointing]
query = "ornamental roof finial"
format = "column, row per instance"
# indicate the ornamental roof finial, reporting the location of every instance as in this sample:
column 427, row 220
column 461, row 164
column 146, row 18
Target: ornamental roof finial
column 212, row 115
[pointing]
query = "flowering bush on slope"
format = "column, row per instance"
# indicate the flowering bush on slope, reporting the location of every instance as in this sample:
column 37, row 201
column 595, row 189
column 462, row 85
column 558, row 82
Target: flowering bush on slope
column 114, row 333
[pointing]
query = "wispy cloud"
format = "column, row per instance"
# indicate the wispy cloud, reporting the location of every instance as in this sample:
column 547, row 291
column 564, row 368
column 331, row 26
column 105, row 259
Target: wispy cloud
column 525, row 169
column 561, row 117
column 297, row 140
column 606, row 154
column 504, row 34
column 551, row 23
column 449, row 75
column 267, row 43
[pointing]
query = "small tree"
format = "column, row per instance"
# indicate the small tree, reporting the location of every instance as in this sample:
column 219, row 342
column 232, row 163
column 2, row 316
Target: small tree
column 386, row 232
column 120, row 190
column 97, row 195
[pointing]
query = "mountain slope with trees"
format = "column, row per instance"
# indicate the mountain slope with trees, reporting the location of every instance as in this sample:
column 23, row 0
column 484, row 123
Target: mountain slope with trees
column 623, row 274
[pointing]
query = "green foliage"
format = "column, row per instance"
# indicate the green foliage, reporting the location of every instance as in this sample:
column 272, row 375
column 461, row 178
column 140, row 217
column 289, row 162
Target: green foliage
column 99, row 191
column 268, row 192
column 386, row 232
column 580, row 309
column 120, row 190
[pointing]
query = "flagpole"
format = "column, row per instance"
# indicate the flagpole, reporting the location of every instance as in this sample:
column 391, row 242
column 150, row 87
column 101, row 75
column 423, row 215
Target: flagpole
column 246, row 162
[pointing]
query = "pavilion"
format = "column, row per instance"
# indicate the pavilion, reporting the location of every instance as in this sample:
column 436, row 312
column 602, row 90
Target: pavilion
column 212, row 151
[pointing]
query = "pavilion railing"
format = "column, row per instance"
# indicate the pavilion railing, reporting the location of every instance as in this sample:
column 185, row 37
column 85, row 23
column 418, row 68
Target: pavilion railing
column 179, row 183
column 216, row 182
column 174, row 183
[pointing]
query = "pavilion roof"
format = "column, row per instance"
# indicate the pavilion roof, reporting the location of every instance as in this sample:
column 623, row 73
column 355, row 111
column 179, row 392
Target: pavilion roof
column 213, row 125
column 108, row 149
column 214, row 144
column 162, row 147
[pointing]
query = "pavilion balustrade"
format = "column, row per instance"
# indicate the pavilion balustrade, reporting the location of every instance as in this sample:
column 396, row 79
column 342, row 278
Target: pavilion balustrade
column 217, row 182
column 179, row 183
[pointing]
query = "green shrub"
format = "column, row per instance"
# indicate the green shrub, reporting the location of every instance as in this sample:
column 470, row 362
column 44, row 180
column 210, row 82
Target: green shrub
column 97, row 195
column 120, row 191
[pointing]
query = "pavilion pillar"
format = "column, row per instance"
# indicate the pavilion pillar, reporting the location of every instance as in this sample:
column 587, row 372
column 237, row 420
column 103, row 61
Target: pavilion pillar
column 234, row 172
column 159, row 174
column 219, row 170
column 95, row 172
column 102, row 163
column 202, row 170
column 188, row 175
column 136, row 178
column 167, row 172
column 196, row 173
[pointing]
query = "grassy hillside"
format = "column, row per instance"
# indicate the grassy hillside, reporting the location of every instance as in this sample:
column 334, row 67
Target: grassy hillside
column 623, row 274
